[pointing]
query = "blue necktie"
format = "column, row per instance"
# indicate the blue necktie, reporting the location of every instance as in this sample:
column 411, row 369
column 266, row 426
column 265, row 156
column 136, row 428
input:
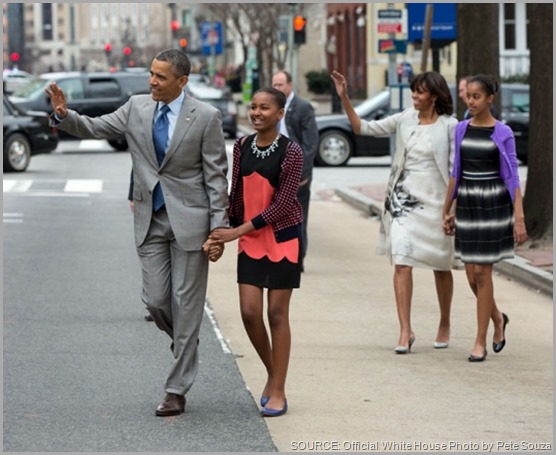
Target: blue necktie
column 160, row 138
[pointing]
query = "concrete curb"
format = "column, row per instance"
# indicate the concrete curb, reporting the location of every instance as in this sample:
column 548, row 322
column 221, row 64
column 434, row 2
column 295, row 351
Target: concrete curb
column 517, row 268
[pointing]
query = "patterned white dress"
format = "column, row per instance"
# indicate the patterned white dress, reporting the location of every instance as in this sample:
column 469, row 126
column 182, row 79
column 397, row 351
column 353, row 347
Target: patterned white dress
column 415, row 206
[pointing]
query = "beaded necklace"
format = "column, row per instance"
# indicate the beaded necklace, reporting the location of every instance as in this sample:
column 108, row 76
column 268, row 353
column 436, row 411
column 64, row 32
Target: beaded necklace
column 262, row 154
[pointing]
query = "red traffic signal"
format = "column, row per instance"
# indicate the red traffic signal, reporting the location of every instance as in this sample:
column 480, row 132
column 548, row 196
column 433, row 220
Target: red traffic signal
column 175, row 25
column 14, row 57
column 127, row 50
column 183, row 42
column 299, row 23
column 107, row 48
column 299, row 28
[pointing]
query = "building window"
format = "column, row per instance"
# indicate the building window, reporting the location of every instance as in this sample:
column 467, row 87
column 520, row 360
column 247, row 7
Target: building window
column 509, row 26
column 47, row 21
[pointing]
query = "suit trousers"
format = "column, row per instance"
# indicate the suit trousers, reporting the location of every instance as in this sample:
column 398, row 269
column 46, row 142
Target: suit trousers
column 174, row 290
column 304, row 196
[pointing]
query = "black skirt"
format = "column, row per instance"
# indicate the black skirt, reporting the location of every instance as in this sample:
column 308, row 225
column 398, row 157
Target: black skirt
column 484, row 221
column 264, row 273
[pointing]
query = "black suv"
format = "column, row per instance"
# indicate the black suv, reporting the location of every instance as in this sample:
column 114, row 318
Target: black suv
column 91, row 94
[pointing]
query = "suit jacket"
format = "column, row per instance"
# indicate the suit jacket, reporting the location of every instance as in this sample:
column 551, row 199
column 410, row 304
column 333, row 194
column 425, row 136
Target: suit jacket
column 302, row 128
column 192, row 175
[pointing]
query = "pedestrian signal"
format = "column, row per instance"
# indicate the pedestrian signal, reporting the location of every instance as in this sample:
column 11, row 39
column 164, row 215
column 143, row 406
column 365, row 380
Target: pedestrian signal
column 299, row 26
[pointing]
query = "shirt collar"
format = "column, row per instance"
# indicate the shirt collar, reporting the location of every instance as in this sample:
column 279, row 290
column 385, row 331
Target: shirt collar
column 175, row 106
column 290, row 98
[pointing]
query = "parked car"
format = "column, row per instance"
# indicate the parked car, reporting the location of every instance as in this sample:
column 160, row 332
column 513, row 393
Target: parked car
column 515, row 113
column 15, row 78
column 89, row 93
column 25, row 134
column 219, row 98
column 338, row 143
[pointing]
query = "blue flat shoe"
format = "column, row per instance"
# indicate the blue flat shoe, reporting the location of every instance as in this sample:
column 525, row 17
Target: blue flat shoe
column 264, row 401
column 267, row 412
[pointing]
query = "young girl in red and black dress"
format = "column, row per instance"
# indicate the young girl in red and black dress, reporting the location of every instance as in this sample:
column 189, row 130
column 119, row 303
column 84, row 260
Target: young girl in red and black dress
column 266, row 217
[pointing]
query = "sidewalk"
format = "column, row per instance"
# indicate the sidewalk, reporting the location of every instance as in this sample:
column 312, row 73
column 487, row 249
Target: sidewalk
column 349, row 392
column 532, row 267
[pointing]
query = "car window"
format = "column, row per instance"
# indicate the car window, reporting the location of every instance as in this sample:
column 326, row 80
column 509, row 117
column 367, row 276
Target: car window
column 73, row 88
column 31, row 89
column 520, row 102
column 6, row 110
column 138, row 85
column 104, row 88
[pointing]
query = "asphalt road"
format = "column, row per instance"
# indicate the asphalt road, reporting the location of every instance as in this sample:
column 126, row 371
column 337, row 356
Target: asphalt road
column 83, row 371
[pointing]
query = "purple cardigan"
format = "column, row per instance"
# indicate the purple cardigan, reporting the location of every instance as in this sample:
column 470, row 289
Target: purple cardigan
column 503, row 137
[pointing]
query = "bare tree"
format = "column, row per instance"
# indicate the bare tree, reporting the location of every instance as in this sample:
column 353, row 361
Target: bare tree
column 478, row 48
column 259, row 22
column 538, row 199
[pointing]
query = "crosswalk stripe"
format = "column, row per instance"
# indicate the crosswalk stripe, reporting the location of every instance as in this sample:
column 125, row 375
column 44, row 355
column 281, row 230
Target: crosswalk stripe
column 83, row 186
column 48, row 186
column 13, row 217
column 16, row 186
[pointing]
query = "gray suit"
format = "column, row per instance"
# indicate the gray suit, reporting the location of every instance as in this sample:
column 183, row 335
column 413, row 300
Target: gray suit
column 169, row 242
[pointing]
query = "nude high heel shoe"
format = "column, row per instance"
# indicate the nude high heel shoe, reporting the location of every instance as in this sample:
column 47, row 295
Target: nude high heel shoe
column 405, row 349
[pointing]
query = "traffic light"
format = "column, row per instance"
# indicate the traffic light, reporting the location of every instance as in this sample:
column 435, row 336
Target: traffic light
column 299, row 25
column 127, row 51
column 108, row 49
column 183, row 43
column 14, row 57
column 175, row 25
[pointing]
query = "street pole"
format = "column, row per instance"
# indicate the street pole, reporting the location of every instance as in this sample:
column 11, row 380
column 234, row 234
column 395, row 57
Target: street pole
column 426, row 37
column 392, row 70
column 392, row 80
column 291, row 45
column 174, row 17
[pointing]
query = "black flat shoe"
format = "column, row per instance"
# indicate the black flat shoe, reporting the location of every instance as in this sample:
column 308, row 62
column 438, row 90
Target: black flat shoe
column 497, row 347
column 476, row 358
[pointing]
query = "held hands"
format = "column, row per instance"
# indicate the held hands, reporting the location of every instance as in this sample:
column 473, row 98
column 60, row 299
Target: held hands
column 449, row 224
column 57, row 99
column 214, row 245
column 213, row 249
column 339, row 83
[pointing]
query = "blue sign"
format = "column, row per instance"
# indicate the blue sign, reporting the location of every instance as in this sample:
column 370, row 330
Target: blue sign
column 211, row 37
column 443, row 25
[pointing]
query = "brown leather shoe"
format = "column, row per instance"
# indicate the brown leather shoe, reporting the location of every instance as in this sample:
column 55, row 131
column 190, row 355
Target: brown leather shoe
column 172, row 405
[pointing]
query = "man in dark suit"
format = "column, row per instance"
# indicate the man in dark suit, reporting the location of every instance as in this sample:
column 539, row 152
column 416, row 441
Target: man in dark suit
column 299, row 125
column 180, row 194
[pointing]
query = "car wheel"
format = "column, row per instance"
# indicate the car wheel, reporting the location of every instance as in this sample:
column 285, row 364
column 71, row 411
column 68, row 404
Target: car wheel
column 119, row 144
column 335, row 148
column 17, row 153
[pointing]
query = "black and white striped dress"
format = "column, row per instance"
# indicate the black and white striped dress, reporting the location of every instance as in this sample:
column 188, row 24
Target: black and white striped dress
column 484, row 209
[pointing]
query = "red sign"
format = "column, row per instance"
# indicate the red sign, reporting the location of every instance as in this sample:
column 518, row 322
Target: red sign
column 387, row 27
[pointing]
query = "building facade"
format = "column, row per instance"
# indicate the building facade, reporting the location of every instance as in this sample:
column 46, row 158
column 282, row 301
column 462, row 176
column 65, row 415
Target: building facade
column 344, row 36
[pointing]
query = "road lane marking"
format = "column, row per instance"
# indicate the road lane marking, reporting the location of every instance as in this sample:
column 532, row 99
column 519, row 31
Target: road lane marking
column 93, row 144
column 219, row 336
column 13, row 217
column 83, row 186
column 16, row 186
